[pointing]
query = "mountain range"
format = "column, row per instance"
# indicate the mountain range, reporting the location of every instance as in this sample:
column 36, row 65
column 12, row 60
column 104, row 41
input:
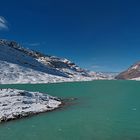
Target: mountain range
column 21, row 65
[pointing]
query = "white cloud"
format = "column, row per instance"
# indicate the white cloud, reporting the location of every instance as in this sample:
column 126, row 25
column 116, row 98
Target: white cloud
column 3, row 23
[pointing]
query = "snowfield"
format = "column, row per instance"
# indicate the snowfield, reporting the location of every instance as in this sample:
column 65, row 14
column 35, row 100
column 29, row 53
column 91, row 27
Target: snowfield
column 20, row 103
column 13, row 73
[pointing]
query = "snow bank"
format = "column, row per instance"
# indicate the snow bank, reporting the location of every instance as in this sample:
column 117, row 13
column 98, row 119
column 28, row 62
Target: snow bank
column 20, row 103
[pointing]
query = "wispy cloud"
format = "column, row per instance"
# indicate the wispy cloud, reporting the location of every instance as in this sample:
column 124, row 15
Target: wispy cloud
column 3, row 23
column 96, row 66
column 33, row 44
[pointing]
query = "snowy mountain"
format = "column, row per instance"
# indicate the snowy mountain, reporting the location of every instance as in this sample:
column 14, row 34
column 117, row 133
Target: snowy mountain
column 132, row 73
column 20, row 65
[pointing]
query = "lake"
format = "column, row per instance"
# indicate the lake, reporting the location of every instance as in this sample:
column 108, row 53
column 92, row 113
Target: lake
column 104, row 110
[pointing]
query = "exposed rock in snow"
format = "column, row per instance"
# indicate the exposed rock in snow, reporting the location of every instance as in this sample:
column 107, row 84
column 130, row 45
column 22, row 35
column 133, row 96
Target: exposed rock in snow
column 19, row 103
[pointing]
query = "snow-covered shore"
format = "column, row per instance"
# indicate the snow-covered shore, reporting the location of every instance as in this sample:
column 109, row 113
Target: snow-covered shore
column 16, row 104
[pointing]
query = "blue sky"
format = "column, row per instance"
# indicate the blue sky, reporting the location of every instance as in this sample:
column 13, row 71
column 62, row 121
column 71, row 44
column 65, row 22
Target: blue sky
column 100, row 35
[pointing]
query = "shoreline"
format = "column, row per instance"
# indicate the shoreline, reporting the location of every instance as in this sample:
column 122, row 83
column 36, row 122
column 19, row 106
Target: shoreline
column 65, row 103
column 57, row 82
column 32, row 115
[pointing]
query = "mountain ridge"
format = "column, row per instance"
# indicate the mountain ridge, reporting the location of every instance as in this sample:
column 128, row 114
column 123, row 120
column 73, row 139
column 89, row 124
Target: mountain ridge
column 132, row 73
column 21, row 65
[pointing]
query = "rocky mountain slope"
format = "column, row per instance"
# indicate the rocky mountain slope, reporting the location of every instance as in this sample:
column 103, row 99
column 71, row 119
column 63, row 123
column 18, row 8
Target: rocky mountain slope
column 132, row 73
column 20, row 65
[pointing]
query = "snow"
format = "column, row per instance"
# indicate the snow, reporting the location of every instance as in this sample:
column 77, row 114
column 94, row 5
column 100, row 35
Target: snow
column 137, row 79
column 135, row 67
column 20, row 103
column 13, row 73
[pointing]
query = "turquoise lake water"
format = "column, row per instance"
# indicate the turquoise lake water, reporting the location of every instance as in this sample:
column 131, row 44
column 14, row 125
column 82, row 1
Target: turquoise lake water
column 105, row 110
